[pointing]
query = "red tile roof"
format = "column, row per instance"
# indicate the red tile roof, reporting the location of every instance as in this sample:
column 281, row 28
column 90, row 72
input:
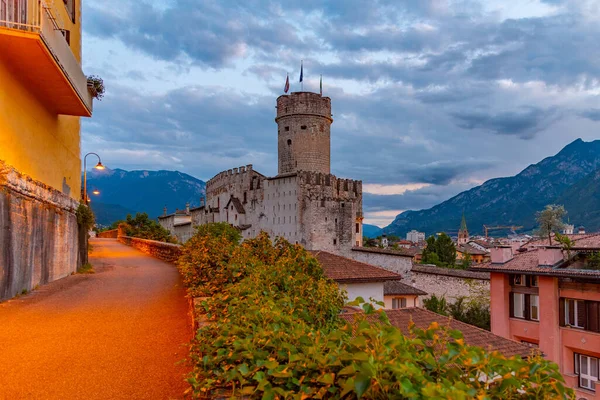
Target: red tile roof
column 391, row 288
column 393, row 252
column 467, row 248
column 346, row 270
column 527, row 261
column 473, row 335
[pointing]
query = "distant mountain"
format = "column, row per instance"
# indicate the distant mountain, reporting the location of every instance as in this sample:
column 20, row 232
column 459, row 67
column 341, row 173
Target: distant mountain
column 106, row 214
column 123, row 192
column 582, row 201
column 514, row 200
column 371, row 231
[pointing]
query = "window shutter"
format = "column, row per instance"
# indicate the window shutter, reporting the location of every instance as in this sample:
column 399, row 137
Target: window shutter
column 571, row 305
column 527, row 313
column 561, row 312
column 576, row 363
column 582, row 314
column 511, row 304
column 592, row 316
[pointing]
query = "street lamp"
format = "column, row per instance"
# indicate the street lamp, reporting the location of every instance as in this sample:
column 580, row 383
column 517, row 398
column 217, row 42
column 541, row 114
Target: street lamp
column 98, row 166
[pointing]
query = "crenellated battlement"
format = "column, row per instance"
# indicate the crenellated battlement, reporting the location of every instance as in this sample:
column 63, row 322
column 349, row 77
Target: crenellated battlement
column 338, row 187
column 303, row 103
column 225, row 177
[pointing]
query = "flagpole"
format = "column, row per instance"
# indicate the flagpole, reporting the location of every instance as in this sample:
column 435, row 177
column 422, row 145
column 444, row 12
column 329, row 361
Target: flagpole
column 302, row 75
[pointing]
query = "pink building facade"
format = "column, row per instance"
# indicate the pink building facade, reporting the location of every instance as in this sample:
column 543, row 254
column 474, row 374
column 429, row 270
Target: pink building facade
column 547, row 298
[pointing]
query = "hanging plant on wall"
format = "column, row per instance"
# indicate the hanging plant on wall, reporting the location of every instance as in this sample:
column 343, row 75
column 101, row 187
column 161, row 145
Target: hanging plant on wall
column 96, row 86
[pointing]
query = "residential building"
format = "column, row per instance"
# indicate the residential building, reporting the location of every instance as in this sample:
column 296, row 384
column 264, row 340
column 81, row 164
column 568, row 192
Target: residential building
column 178, row 223
column 415, row 236
column 304, row 203
column 473, row 336
column 358, row 279
column 548, row 297
column 477, row 255
column 404, row 244
column 401, row 295
column 43, row 94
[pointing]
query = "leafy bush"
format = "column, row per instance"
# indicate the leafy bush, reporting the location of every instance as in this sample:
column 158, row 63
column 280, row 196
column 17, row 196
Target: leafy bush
column 141, row 226
column 273, row 331
column 468, row 310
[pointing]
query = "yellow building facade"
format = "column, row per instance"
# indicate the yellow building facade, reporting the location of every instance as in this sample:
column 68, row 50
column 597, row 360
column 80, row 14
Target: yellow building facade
column 43, row 94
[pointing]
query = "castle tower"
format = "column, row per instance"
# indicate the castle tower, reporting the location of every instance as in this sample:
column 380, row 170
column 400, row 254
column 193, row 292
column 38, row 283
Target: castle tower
column 303, row 125
column 463, row 233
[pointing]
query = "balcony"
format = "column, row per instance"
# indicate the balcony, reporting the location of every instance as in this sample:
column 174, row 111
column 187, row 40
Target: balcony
column 33, row 41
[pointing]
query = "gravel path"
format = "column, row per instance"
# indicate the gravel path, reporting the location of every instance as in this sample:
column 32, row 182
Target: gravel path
column 120, row 333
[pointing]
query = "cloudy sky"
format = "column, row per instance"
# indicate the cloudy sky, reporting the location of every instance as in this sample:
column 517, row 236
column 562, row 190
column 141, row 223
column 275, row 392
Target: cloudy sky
column 429, row 97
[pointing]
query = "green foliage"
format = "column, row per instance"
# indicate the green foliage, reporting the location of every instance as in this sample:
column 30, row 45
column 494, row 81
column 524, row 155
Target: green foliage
column 465, row 263
column 593, row 260
column 85, row 217
column 566, row 242
column 141, row 226
column 86, row 268
column 550, row 220
column 273, row 331
column 440, row 251
column 473, row 311
column 219, row 229
column 96, row 86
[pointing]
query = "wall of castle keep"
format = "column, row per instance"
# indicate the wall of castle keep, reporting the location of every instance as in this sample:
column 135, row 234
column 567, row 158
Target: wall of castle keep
column 303, row 132
column 38, row 233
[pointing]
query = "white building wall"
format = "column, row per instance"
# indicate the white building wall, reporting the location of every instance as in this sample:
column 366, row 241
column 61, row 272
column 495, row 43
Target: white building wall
column 367, row 291
column 281, row 208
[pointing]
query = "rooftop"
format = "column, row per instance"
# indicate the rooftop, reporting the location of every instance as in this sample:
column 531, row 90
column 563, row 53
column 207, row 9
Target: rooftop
column 391, row 288
column 526, row 259
column 346, row 270
column 467, row 248
column 473, row 335
column 399, row 252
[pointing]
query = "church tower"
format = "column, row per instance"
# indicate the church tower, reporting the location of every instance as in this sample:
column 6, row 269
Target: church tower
column 303, row 126
column 463, row 233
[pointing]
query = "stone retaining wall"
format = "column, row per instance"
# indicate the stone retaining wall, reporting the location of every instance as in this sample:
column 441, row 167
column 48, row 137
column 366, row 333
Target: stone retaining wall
column 450, row 283
column 168, row 252
column 392, row 260
column 38, row 233
column 112, row 234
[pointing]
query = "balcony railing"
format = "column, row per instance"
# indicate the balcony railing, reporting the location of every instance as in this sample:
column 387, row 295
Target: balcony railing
column 41, row 17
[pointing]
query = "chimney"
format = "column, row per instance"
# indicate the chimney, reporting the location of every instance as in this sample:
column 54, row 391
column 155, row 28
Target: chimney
column 187, row 208
column 548, row 256
column 165, row 211
column 501, row 254
column 581, row 230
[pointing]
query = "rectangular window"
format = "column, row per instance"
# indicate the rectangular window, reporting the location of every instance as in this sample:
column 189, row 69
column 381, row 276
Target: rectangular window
column 587, row 369
column 533, row 281
column 534, row 307
column 519, row 280
column 398, row 302
column 357, row 228
column 575, row 313
column 518, row 305
column 70, row 5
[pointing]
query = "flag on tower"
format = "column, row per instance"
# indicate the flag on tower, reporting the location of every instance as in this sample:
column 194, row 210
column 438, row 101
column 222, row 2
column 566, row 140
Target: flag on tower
column 287, row 84
column 321, row 85
column 301, row 70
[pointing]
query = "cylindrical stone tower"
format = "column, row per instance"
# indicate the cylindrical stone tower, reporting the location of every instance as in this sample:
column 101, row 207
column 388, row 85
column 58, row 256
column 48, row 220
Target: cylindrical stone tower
column 303, row 125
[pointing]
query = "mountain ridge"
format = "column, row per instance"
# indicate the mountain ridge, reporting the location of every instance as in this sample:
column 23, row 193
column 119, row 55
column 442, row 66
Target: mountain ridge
column 507, row 200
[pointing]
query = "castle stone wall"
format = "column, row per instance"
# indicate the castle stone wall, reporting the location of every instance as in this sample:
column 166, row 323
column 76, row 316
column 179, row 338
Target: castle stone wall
column 303, row 138
column 448, row 283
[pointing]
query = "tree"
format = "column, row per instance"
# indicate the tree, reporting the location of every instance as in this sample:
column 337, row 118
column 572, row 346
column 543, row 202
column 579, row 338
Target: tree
column 566, row 242
column 550, row 220
column 466, row 261
column 141, row 226
column 429, row 250
column 436, row 304
column 445, row 249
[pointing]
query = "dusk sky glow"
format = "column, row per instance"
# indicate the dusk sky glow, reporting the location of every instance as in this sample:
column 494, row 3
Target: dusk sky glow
column 429, row 98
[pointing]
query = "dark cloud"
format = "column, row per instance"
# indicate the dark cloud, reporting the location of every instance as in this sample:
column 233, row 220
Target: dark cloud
column 524, row 123
column 592, row 113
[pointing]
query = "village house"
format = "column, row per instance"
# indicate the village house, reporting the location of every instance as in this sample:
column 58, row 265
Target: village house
column 548, row 297
column 400, row 295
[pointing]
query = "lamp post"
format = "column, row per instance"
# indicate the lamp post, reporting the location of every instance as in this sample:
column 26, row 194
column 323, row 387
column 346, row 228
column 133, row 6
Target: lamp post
column 98, row 166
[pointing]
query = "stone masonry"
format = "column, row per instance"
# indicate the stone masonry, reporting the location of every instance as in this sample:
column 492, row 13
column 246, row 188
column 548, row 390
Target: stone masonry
column 304, row 203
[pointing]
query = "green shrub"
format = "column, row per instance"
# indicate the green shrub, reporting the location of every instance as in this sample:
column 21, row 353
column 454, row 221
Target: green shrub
column 273, row 331
column 141, row 226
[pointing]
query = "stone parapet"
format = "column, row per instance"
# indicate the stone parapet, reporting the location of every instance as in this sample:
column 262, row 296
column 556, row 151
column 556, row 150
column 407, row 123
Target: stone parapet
column 168, row 252
column 111, row 234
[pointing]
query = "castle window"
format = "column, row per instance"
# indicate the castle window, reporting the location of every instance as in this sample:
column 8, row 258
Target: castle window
column 245, row 197
column 336, row 220
column 325, row 219
column 322, row 202
column 334, row 242
column 303, row 127
column 287, row 128
column 357, row 228
column 289, row 142
column 343, row 204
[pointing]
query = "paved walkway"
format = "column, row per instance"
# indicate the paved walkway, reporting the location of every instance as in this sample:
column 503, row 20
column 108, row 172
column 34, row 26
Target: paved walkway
column 120, row 333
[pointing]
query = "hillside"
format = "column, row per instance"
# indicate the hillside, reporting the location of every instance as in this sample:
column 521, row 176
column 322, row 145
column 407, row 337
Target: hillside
column 371, row 231
column 582, row 200
column 123, row 192
column 511, row 200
